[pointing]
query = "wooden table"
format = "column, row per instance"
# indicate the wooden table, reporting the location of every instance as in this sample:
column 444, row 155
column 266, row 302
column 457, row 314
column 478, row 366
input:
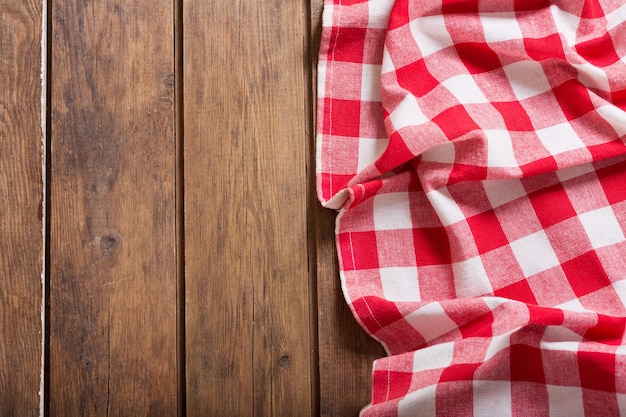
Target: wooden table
column 163, row 193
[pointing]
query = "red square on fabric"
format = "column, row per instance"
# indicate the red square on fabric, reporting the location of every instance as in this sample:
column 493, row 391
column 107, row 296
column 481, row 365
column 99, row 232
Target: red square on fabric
column 592, row 9
column 455, row 122
column 376, row 313
column 599, row 51
column 333, row 183
column 389, row 385
column 613, row 180
column 545, row 316
column 367, row 255
column 607, row 149
column 464, row 172
column 529, row 5
column 585, row 274
column 552, row 205
column 459, row 6
column 597, row 370
column 350, row 49
column 345, row 116
column 618, row 98
column 416, row 78
column 478, row 57
column 527, row 364
column 432, row 246
column 479, row 327
column 608, row 330
column 573, row 108
column 349, row 2
column 548, row 47
column 487, row 231
column 519, row 291
column 539, row 166
column 514, row 115
column 460, row 372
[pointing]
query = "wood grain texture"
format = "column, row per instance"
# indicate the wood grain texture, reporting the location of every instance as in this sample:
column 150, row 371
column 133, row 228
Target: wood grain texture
column 113, row 238
column 248, row 291
column 346, row 352
column 21, row 188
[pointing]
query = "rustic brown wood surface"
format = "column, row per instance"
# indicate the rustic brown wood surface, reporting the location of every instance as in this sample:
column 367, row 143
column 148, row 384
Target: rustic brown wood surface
column 191, row 269
column 249, row 299
column 346, row 352
column 21, row 185
column 112, row 238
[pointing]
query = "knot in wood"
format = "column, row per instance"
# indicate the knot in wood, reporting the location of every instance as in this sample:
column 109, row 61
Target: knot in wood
column 284, row 361
column 88, row 364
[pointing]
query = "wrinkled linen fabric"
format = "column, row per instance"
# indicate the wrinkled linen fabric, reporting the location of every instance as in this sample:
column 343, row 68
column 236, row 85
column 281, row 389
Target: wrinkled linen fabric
column 476, row 153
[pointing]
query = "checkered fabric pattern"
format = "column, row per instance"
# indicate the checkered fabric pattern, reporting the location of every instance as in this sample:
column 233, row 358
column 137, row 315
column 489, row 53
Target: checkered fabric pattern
column 476, row 150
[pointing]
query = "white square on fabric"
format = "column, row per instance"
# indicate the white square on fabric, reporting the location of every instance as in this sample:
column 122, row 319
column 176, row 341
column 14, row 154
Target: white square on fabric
column 408, row 113
column 370, row 83
column 534, row 253
column 565, row 401
column 438, row 356
column 431, row 321
column 573, row 172
column 616, row 17
column 592, row 76
column 500, row 149
column 430, row 34
column 621, row 404
column 498, row 344
column 557, row 338
column 379, row 12
column 465, row 89
column 620, row 290
column 492, row 396
column 602, row 227
column 321, row 79
column 527, row 79
column 566, row 24
column 444, row 153
column 421, row 402
column 470, row 278
column 615, row 117
column 392, row 211
column 400, row 284
column 500, row 192
column 369, row 151
column 445, row 206
column 560, row 138
column 574, row 305
column 500, row 27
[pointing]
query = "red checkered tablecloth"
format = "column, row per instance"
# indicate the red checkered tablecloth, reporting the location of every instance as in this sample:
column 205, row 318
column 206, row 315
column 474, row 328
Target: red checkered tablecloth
column 476, row 152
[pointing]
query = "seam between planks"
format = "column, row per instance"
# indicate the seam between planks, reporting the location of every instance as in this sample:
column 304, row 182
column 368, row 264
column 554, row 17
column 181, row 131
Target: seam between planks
column 181, row 375
column 44, row 200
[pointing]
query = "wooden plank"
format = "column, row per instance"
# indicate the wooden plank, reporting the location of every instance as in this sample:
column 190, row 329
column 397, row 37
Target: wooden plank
column 21, row 185
column 346, row 352
column 248, row 291
column 113, row 224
